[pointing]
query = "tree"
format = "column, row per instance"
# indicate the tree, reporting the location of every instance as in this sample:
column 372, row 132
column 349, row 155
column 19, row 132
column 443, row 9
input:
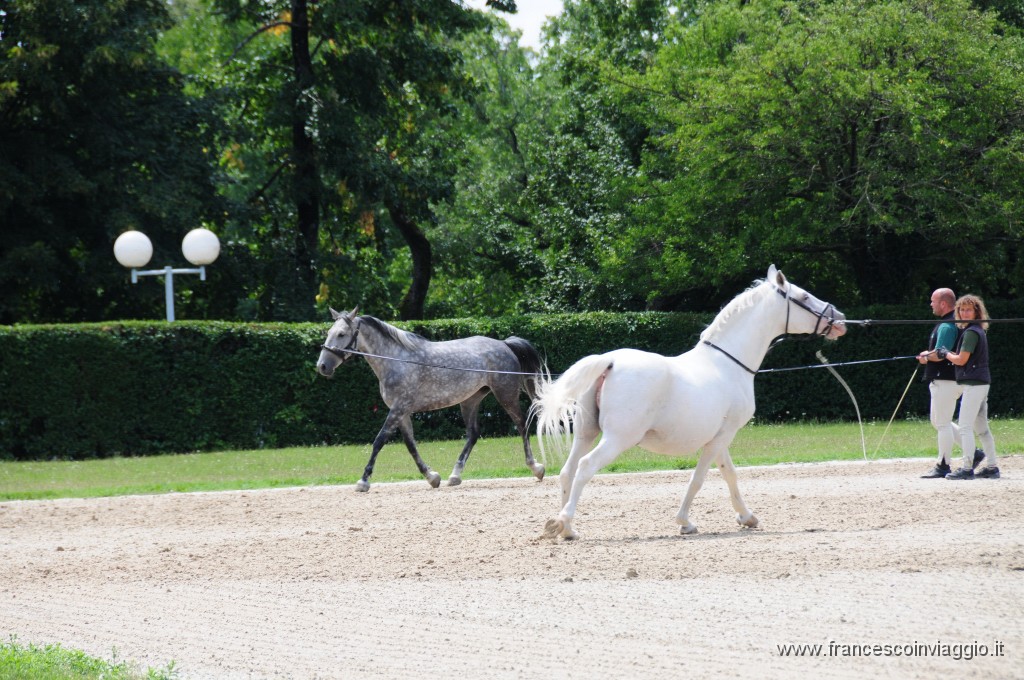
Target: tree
column 365, row 82
column 870, row 144
column 1010, row 11
column 96, row 137
column 551, row 150
column 487, row 236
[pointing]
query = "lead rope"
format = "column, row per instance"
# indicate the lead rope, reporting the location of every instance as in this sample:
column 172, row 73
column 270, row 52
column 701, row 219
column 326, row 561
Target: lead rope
column 824, row 361
column 342, row 352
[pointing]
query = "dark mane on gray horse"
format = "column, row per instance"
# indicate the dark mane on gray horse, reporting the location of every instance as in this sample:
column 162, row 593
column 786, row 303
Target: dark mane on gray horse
column 408, row 340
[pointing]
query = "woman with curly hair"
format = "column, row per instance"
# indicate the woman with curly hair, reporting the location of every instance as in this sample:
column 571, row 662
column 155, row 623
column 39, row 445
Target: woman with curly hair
column 971, row 362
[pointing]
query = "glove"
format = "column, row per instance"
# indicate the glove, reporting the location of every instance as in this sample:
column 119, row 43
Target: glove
column 941, row 352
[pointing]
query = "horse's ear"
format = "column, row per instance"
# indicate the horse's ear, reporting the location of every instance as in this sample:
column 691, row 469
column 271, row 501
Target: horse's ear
column 775, row 275
column 334, row 313
column 354, row 312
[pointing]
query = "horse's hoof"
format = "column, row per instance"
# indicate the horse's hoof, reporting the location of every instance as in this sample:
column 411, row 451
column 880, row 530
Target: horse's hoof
column 434, row 479
column 538, row 472
column 553, row 527
column 362, row 486
column 454, row 481
column 559, row 527
column 687, row 529
column 749, row 522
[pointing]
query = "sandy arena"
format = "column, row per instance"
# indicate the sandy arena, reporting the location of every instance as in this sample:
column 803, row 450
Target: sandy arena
column 406, row 581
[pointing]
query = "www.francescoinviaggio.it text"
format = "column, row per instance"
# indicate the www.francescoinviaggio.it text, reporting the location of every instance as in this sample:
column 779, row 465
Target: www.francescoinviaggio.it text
column 956, row 651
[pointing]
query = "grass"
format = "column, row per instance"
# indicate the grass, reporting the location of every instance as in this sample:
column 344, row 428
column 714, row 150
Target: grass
column 492, row 458
column 53, row 662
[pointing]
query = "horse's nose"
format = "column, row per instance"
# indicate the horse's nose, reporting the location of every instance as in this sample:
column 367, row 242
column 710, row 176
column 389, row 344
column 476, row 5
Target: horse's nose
column 324, row 371
column 839, row 326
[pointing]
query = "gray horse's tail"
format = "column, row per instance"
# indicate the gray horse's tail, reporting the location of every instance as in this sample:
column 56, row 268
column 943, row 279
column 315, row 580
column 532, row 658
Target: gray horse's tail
column 530, row 361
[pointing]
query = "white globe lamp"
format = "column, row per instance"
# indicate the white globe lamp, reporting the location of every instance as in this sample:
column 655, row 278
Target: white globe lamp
column 133, row 249
column 200, row 247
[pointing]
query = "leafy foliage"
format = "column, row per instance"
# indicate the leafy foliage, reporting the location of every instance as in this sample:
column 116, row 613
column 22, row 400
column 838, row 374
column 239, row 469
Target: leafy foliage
column 97, row 137
column 542, row 197
column 410, row 157
column 871, row 143
column 348, row 149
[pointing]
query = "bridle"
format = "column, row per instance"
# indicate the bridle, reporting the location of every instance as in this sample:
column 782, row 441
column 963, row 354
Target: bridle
column 831, row 319
column 345, row 353
column 820, row 316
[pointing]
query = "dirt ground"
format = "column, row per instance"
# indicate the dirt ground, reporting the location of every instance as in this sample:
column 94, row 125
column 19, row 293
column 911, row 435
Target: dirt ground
column 407, row 581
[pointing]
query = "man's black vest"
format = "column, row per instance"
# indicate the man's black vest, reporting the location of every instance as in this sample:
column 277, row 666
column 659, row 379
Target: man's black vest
column 976, row 367
column 940, row 370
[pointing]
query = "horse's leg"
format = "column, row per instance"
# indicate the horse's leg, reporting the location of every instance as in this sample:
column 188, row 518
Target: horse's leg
column 510, row 402
column 405, row 427
column 743, row 516
column 607, row 450
column 585, row 432
column 471, row 416
column 710, row 453
column 390, row 423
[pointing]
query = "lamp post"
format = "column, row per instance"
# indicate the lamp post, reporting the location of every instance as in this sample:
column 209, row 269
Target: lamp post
column 133, row 249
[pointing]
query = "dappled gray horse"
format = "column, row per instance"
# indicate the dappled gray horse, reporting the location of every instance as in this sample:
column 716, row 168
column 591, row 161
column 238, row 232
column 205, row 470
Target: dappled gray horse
column 416, row 375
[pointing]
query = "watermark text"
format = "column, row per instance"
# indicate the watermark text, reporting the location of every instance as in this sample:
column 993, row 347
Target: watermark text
column 957, row 652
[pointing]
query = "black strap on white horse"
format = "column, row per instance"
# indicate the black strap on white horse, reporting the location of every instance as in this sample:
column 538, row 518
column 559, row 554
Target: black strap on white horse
column 738, row 362
column 828, row 309
column 799, row 303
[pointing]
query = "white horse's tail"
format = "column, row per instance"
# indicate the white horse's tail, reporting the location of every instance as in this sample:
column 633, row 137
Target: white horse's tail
column 557, row 401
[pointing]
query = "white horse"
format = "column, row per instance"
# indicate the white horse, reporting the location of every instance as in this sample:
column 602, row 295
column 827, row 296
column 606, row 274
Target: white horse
column 676, row 405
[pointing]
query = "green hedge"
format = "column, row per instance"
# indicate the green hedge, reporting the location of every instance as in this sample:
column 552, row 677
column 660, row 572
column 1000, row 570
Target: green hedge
column 138, row 388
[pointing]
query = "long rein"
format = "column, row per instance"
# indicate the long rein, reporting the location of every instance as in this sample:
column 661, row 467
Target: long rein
column 344, row 354
column 831, row 322
column 876, row 322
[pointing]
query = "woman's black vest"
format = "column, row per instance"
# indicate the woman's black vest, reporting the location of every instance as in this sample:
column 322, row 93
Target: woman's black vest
column 940, row 370
column 976, row 367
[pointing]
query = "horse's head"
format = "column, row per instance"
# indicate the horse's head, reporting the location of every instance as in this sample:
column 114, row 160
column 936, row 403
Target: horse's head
column 341, row 338
column 806, row 313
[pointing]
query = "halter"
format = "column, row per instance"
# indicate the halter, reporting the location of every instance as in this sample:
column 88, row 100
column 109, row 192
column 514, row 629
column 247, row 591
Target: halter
column 346, row 353
column 820, row 316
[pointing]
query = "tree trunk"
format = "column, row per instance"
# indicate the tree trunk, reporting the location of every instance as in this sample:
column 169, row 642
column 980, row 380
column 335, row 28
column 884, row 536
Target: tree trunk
column 422, row 264
column 305, row 182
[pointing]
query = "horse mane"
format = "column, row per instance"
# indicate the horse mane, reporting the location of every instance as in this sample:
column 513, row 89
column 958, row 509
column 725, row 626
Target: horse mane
column 410, row 341
column 755, row 293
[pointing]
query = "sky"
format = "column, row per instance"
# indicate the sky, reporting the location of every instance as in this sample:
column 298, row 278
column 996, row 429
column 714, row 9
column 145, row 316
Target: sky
column 531, row 14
